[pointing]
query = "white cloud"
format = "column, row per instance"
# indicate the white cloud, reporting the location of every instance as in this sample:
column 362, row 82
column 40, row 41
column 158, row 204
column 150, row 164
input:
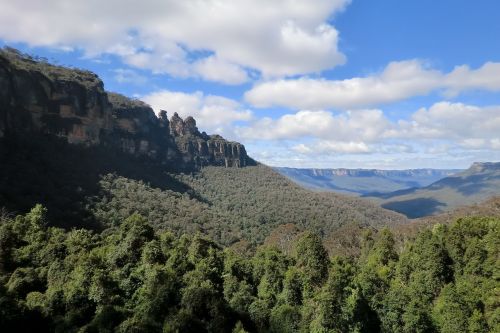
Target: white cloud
column 440, row 129
column 322, row 147
column 214, row 114
column 495, row 144
column 347, row 133
column 362, row 125
column 462, row 78
column 277, row 38
column 473, row 143
column 351, row 147
column 214, row 69
column 128, row 76
column 398, row 81
column 470, row 126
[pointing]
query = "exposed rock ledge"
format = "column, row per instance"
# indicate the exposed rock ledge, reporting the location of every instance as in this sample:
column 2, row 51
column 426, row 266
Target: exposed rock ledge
column 72, row 103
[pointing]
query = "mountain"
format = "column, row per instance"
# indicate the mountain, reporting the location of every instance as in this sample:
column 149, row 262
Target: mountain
column 489, row 208
column 93, row 158
column 115, row 220
column 234, row 204
column 476, row 184
column 37, row 97
column 363, row 181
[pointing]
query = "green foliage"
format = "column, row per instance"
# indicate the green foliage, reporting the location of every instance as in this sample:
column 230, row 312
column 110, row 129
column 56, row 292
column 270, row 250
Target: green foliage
column 284, row 319
column 131, row 278
column 98, row 187
column 26, row 62
column 312, row 259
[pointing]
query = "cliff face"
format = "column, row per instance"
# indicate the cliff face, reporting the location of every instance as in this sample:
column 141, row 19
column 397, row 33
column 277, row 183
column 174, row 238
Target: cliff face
column 481, row 167
column 39, row 97
column 204, row 149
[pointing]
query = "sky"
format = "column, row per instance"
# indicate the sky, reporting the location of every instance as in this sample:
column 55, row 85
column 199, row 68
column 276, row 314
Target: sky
column 385, row 84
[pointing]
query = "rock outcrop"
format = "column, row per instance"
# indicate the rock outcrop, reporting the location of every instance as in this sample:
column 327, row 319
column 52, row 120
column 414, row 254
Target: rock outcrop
column 36, row 96
column 203, row 149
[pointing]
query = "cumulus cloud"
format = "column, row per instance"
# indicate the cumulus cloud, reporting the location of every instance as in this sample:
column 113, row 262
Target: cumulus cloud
column 278, row 38
column 440, row 128
column 349, row 126
column 128, row 76
column 398, row 81
column 348, row 132
column 214, row 69
column 462, row 78
column 468, row 125
column 323, row 146
column 214, row 114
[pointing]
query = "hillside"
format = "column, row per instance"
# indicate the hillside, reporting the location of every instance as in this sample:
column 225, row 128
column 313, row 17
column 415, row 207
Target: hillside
column 488, row 208
column 476, row 184
column 363, row 181
column 89, row 186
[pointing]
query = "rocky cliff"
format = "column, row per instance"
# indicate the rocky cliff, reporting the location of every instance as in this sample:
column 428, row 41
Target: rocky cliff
column 36, row 96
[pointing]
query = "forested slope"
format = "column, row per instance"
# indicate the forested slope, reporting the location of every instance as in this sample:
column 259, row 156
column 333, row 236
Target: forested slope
column 478, row 183
column 130, row 278
column 230, row 204
column 95, row 187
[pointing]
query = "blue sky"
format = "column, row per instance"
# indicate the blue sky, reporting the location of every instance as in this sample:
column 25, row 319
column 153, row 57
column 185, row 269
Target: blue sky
column 318, row 83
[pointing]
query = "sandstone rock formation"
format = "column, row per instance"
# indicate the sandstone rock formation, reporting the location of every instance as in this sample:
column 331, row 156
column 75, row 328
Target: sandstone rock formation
column 36, row 96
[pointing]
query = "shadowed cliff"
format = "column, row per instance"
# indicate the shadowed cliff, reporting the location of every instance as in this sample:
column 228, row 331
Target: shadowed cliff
column 37, row 97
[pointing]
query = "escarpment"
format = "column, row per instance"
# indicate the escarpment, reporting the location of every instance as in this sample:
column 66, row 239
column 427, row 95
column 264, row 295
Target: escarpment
column 36, row 96
column 204, row 149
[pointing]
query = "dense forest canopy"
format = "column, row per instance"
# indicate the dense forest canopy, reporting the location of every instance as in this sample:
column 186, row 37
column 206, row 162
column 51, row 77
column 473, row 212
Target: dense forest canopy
column 130, row 278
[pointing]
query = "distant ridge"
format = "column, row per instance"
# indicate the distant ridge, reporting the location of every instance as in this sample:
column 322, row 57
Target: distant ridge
column 363, row 181
column 474, row 185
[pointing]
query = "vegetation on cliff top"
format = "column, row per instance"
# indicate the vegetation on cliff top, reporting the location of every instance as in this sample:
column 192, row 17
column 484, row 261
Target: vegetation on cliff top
column 54, row 72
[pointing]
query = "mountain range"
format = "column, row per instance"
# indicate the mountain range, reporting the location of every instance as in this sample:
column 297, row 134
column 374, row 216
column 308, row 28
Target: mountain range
column 474, row 185
column 363, row 181
column 415, row 193
column 52, row 118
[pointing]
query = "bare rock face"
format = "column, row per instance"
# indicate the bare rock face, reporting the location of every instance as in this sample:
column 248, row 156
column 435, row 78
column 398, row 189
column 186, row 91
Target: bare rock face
column 202, row 150
column 138, row 131
column 37, row 96
column 179, row 127
column 69, row 103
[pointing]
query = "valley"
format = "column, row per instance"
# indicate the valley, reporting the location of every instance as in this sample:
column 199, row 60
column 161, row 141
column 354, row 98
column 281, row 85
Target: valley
column 363, row 181
column 474, row 185
column 114, row 218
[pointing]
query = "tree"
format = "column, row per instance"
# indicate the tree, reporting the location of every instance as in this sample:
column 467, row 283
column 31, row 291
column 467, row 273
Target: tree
column 284, row 319
column 312, row 260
